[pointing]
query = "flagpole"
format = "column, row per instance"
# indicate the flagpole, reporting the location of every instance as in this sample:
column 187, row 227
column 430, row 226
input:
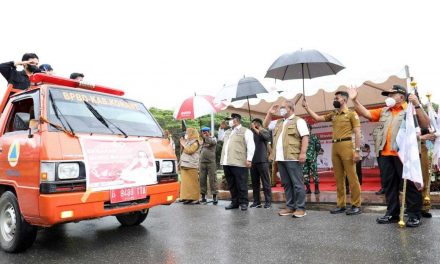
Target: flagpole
column 427, row 199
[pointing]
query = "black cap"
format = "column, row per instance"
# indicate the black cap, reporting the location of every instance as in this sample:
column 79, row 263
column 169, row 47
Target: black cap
column 396, row 89
column 233, row 115
column 76, row 75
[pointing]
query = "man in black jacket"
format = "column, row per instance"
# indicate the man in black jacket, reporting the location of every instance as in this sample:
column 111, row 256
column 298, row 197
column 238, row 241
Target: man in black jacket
column 260, row 165
column 20, row 79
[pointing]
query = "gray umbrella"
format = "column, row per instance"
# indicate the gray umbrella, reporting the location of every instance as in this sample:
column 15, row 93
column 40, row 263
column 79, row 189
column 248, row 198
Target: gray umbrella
column 303, row 64
column 245, row 88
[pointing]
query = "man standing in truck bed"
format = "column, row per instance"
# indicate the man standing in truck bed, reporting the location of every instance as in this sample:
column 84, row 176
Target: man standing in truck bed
column 20, row 79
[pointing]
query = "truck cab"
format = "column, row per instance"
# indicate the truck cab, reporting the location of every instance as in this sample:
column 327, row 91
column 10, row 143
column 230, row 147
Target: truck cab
column 71, row 151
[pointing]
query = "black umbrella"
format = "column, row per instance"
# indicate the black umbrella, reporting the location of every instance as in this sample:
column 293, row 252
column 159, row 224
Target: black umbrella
column 303, row 64
column 245, row 88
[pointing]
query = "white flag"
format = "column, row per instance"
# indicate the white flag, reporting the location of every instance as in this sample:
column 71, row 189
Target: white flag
column 408, row 149
column 434, row 120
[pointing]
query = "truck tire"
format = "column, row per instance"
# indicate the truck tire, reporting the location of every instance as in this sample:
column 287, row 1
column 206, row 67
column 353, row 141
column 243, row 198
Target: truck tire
column 15, row 233
column 132, row 219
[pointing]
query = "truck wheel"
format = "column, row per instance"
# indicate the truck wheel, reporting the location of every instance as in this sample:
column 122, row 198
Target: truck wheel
column 15, row 233
column 132, row 219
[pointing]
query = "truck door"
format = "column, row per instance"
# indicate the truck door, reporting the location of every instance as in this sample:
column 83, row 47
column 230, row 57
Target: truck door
column 20, row 151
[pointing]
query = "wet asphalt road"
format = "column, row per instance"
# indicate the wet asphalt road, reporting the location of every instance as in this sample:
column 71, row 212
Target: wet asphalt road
column 209, row 234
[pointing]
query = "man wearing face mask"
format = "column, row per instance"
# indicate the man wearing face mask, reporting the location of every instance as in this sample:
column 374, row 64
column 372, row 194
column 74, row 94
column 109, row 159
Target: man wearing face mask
column 345, row 122
column 390, row 118
column 20, row 79
column 237, row 153
column 290, row 142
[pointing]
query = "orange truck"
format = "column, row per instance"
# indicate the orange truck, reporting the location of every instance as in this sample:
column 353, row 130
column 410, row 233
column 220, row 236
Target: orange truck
column 70, row 151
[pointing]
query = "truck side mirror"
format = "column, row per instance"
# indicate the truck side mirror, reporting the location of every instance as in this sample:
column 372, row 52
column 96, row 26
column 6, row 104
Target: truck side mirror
column 33, row 124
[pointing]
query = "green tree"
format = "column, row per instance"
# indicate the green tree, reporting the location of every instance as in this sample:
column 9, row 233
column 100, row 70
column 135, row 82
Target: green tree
column 167, row 122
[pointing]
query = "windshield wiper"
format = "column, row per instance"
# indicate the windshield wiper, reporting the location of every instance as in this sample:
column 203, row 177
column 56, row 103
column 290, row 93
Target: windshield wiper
column 102, row 119
column 57, row 114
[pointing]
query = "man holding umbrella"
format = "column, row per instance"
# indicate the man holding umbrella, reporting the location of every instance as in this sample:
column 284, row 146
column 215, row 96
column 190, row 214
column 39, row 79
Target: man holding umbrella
column 237, row 153
column 344, row 123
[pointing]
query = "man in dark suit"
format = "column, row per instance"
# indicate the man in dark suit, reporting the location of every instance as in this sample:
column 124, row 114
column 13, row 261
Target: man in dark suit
column 260, row 165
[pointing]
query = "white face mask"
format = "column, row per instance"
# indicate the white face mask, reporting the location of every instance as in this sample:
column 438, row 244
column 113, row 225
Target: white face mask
column 231, row 123
column 390, row 102
column 283, row 111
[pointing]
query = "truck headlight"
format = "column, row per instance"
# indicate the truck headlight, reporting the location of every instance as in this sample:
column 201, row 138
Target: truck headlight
column 68, row 171
column 167, row 166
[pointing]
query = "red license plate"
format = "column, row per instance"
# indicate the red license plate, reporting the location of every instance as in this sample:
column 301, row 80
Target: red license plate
column 128, row 194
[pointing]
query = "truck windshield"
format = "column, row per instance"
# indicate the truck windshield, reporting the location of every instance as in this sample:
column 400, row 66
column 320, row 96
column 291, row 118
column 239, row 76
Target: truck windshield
column 125, row 115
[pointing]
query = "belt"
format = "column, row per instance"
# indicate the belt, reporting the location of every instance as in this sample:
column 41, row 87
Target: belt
column 341, row 139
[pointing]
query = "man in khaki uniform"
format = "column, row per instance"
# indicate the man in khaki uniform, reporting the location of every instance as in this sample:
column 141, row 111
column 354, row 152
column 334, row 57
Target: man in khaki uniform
column 345, row 122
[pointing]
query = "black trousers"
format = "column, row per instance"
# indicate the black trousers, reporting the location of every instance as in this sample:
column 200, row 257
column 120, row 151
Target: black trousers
column 392, row 172
column 237, row 183
column 260, row 171
column 379, row 164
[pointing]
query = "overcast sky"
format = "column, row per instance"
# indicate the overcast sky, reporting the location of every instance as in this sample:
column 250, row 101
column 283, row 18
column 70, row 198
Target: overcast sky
column 161, row 52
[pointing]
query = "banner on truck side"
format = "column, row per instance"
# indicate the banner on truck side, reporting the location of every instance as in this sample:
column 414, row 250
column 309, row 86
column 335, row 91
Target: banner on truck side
column 118, row 163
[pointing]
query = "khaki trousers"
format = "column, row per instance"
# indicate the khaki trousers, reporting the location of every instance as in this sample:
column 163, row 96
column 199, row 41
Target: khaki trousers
column 343, row 164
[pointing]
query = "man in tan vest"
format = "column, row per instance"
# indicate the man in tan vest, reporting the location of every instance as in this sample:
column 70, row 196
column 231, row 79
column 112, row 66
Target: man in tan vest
column 291, row 139
column 390, row 118
column 345, row 122
column 237, row 153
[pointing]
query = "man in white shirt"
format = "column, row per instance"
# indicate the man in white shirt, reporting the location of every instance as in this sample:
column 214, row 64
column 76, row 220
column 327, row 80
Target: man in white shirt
column 237, row 153
column 291, row 139
column 221, row 131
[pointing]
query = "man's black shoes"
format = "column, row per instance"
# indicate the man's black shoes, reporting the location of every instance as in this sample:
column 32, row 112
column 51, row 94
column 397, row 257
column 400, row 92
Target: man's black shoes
column 255, row 205
column 231, row 206
column 267, row 205
column 337, row 210
column 387, row 219
column 243, row 207
column 353, row 211
column 413, row 222
column 380, row 192
column 426, row 214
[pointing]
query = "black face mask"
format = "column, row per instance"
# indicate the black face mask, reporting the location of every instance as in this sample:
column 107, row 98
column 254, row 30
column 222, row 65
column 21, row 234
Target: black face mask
column 33, row 68
column 336, row 104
